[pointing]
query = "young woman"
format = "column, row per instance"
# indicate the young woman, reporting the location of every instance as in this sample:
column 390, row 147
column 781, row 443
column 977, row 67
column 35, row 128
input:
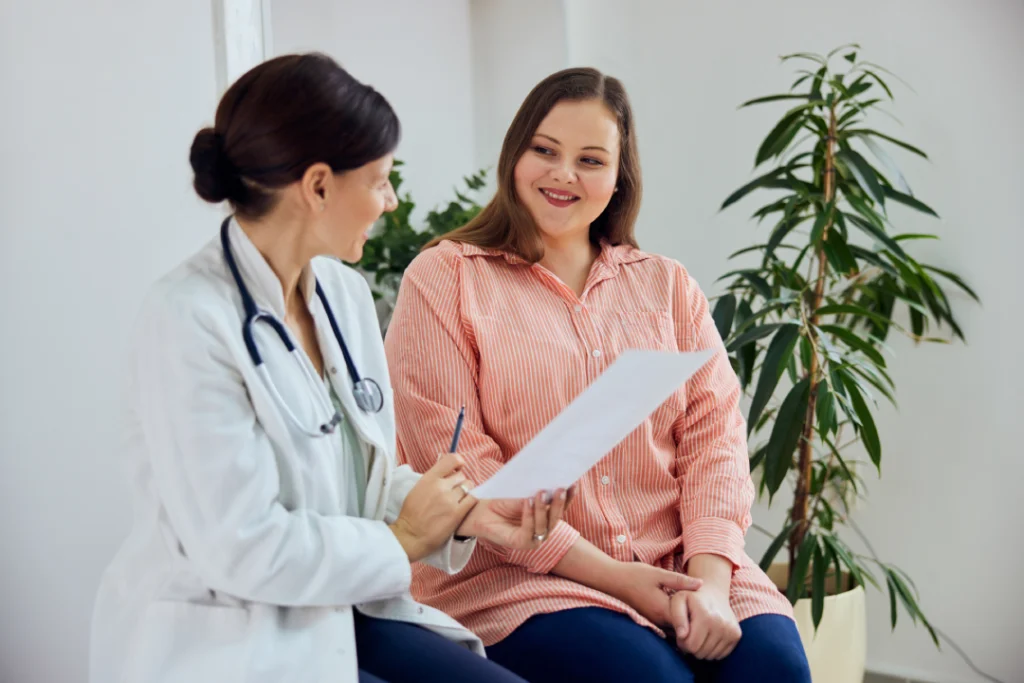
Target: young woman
column 274, row 533
column 514, row 315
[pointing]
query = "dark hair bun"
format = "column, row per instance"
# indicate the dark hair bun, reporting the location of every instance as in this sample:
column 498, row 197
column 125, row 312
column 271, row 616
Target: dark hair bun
column 213, row 173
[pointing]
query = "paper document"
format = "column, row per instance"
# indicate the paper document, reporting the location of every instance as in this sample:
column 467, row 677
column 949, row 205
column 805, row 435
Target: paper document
column 615, row 404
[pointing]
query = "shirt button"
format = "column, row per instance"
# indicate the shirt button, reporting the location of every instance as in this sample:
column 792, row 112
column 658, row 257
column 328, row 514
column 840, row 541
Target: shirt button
column 419, row 610
column 605, row 480
column 577, row 308
column 621, row 538
column 596, row 353
column 334, row 370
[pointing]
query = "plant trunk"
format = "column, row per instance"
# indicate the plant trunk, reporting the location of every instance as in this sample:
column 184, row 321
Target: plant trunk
column 801, row 497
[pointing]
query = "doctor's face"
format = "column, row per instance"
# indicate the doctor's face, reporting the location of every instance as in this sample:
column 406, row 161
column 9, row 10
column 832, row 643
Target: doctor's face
column 354, row 202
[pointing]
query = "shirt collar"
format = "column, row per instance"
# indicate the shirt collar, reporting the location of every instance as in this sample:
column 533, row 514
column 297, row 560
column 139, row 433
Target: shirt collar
column 260, row 278
column 611, row 255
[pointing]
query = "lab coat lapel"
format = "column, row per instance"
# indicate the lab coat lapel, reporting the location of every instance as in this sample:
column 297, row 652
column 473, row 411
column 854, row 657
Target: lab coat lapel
column 365, row 424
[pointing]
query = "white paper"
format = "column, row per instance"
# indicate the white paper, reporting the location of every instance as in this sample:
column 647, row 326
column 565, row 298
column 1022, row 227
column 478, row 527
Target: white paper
column 615, row 404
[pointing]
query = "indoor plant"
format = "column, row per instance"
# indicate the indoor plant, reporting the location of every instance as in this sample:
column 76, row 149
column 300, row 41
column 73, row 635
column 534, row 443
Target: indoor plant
column 806, row 324
column 395, row 242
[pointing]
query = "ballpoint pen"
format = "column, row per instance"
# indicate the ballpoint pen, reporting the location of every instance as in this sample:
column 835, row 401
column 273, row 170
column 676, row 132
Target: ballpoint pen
column 458, row 430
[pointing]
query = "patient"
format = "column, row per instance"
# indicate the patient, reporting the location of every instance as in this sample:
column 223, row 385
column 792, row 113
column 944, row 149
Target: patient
column 513, row 316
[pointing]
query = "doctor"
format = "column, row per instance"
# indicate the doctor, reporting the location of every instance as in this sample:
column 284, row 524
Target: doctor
column 273, row 532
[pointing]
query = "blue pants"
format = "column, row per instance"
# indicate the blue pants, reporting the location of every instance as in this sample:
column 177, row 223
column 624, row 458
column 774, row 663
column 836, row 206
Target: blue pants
column 395, row 652
column 597, row 645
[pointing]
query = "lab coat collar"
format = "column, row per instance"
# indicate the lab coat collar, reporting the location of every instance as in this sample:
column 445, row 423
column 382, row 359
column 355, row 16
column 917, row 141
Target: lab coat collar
column 260, row 278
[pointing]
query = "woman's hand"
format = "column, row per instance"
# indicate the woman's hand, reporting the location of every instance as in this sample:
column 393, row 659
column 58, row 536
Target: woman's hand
column 643, row 588
column 434, row 508
column 705, row 624
column 516, row 524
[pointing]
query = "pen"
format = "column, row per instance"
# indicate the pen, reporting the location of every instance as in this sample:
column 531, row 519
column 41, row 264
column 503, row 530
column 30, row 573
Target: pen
column 458, row 430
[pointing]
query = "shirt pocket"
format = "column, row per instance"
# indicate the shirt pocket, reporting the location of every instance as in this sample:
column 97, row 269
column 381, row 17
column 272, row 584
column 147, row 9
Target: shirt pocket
column 647, row 331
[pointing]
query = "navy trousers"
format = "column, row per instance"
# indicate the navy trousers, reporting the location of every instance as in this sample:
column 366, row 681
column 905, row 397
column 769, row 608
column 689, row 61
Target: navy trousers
column 597, row 645
column 395, row 652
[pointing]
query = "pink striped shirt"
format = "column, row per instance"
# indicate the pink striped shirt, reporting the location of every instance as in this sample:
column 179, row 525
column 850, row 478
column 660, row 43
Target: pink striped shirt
column 515, row 345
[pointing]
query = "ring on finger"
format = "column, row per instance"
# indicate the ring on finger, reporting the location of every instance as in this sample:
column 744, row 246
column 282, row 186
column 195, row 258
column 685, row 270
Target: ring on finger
column 465, row 489
column 540, row 537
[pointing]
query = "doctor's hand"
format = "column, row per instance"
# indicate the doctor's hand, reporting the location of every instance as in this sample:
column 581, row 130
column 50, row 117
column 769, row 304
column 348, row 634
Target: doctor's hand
column 516, row 524
column 705, row 624
column 434, row 508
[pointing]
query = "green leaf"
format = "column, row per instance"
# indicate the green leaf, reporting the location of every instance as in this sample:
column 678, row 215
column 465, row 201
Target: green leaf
column 904, row 145
column 759, row 284
column 757, row 247
column 780, row 350
column 747, row 356
column 785, row 435
column 845, row 46
column 809, row 56
column 798, row 572
column 865, row 175
column 868, row 431
column 888, row 163
column 876, row 232
column 819, row 224
column 818, row 585
column 874, row 380
column 854, row 342
column 819, row 77
column 907, row 200
column 838, row 254
column 752, row 335
column 757, row 182
column 783, row 132
column 852, row 309
column 893, row 613
column 851, row 58
column 847, row 473
column 825, row 410
column 785, row 226
column 880, row 82
column 955, row 279
column 775, row 546
column 774, row 98
column 725, row 311
column 914, row 236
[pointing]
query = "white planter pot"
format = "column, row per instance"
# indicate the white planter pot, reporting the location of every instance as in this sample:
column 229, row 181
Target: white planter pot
column 838, row 651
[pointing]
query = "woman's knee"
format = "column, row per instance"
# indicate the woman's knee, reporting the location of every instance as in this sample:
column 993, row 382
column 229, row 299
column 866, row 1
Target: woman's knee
column 770, row 650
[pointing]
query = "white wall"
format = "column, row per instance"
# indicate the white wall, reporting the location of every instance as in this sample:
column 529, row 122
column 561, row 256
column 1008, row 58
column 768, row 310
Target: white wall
column 418, row 55
column 101, row 101
column 503, row 73
column 946, row 508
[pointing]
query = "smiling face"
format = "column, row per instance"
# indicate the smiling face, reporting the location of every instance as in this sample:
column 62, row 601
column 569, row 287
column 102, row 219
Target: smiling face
column 567, row 175
column 349, row 204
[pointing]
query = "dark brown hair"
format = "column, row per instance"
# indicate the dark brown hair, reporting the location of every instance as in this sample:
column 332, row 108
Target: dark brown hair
column 505, row 224
column 280, row 118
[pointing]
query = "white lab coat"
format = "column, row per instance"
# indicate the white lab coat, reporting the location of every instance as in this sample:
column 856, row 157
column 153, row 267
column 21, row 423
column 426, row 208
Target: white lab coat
column 241, row 565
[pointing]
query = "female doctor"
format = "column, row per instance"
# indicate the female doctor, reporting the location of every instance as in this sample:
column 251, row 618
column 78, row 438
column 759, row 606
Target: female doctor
column 273, row 532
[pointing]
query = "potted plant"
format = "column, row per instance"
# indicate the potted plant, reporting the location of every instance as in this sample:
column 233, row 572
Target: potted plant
column 395, row 242
column 806, row 326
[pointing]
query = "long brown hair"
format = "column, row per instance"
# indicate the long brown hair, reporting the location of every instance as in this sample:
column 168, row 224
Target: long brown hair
column 505, row 224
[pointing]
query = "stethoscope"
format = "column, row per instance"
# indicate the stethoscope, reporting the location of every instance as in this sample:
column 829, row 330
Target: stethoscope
column 365, row 390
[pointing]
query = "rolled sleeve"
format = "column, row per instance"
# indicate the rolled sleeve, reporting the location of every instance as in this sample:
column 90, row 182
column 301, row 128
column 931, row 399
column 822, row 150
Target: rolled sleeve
column 716, row 490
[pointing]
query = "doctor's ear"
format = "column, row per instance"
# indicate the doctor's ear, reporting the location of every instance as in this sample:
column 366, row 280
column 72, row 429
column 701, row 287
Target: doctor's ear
column 316, row 185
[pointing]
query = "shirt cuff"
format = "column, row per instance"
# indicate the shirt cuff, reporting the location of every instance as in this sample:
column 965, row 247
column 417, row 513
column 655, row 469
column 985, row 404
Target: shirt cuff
column 713, row 536
column 550, row 553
